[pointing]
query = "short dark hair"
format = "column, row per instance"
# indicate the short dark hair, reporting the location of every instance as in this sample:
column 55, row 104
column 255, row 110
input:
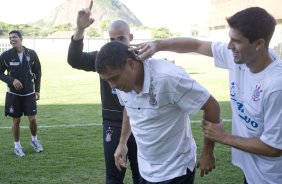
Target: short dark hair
column 113, row 54
column 254, row 23
column 16, row 32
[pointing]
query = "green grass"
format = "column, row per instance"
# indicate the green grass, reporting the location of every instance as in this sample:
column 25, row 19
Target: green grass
column 74, row 154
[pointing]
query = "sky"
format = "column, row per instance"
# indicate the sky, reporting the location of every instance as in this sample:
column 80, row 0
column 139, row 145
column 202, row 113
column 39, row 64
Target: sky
column 153, row 13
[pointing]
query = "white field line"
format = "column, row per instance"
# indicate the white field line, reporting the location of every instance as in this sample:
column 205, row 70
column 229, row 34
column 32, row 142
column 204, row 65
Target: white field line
column 88, row 124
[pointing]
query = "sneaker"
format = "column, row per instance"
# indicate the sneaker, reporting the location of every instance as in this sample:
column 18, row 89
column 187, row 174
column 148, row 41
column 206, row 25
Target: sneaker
column 37, row 146
column 19, row 152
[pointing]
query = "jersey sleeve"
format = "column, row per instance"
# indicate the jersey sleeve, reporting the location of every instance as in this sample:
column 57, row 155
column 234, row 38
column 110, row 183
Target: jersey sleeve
column 79, row 59
column 119, row 95
column 189, row 95
column 272, row 134
column 222, row 56
column 3, row 67
column 37, row 72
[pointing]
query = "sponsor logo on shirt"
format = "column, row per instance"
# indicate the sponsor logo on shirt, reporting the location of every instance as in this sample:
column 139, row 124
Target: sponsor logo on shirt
column 14, row 63
column 248, row 121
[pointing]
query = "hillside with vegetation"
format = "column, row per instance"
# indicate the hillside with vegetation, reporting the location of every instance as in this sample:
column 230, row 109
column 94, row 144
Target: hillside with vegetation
column 63, row 18
column 61, row 21
column 103, row 10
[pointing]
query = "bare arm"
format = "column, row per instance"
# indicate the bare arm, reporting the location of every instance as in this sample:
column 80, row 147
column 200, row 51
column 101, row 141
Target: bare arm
column 252, row 145
column 211, row 111
column 178, row 44
column 121, row 151
column 126, row 130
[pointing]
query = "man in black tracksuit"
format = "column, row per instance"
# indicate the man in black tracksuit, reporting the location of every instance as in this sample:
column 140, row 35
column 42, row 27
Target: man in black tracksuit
column 23, row 80
column 112, row 111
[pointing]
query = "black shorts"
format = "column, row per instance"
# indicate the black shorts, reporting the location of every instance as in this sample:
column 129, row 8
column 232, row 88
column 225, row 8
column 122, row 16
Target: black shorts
column 188, row 178
column 16, row 106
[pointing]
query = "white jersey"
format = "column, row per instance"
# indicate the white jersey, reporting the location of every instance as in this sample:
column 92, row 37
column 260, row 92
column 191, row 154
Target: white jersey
column 256, row 102
column 159, row 119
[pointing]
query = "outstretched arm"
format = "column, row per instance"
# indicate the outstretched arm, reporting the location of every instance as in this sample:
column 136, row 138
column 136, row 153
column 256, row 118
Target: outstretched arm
column 178, row 44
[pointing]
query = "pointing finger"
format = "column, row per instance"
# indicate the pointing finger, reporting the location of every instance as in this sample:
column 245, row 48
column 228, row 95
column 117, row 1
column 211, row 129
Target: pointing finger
column 90, row 5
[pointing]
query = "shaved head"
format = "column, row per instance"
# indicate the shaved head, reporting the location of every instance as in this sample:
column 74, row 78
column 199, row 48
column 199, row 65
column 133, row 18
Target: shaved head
column 120, row 31
column 119, row 25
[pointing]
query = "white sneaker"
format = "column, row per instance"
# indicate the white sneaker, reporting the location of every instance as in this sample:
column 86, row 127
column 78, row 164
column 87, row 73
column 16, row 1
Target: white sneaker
column 37, row 146
column 19, row 152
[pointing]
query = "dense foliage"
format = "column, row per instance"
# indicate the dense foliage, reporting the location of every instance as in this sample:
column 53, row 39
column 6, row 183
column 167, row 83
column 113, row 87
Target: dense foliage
column 29, row 30
column 33, row 31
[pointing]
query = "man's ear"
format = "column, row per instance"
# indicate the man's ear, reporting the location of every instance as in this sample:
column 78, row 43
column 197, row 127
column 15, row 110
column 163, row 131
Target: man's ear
column 130, row 62
column 260, row 44
column 130, row 36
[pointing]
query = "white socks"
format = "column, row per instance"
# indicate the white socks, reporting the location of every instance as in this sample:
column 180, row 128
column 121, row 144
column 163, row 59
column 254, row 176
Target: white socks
column 34, row 138
column 17, row 144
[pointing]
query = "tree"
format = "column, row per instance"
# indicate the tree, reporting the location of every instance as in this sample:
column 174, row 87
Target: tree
column 93, row 32
column 64, row 27
column 161, row 33
column 104, row 25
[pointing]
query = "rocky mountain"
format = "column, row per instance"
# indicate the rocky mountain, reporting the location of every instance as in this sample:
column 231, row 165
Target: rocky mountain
column 101, row 10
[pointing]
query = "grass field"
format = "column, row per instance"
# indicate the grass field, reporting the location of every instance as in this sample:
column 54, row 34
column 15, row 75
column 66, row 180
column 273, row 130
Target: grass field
column 69, row 116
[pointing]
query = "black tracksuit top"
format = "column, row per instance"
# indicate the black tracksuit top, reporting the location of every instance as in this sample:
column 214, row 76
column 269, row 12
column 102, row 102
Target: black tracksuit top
column 111, row 108
column 28, row 72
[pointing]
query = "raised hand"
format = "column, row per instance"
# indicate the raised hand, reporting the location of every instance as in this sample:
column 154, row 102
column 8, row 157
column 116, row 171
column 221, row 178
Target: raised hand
column 84, row 18
column 83, row 21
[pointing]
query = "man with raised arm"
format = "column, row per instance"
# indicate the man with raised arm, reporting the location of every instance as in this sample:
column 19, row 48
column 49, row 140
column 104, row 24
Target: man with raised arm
column 111, row 109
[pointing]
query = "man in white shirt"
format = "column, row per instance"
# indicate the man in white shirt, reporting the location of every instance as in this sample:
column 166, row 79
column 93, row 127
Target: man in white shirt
column 255, row 76
column 159, row 97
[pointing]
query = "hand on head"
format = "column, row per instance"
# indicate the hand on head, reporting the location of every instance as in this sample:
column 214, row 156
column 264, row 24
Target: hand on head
column 145, row 50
